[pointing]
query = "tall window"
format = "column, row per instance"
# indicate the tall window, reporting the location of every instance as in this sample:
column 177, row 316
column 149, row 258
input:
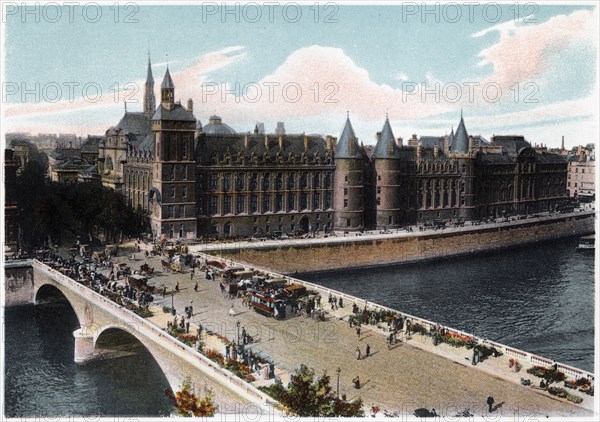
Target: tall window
column 327, row 200
column 226, row 182
column 184, row 191
column 182, row 211
column 172, row 171
column 291, row 202
column 304, row 201
column 316, row 201
column 279, row 181
column 212, row 205
column 212, row 182
column 303, row 181
column 291, row 181
column 172, row 191
column 171, row 211
column 266, row 203
column 253, row 203
column 253, row 181
column 278, row 202
column 239, row 183
column 328, row 180
column 317, row 180
column 185, row 172
column 266, row 181
column 240, row 204
column 227, row 204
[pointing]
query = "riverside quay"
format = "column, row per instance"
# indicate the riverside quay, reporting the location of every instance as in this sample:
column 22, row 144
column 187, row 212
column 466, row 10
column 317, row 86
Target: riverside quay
column 239, row 329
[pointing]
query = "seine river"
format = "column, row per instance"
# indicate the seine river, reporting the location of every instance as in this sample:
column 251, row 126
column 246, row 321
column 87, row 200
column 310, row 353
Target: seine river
column 537, row 298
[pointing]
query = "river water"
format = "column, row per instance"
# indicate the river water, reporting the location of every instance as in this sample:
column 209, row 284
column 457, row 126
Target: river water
column 537, row 298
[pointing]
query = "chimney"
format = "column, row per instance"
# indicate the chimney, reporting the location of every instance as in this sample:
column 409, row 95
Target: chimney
column 330, row 141
column 436, row 151
column 305, row 142
column 378, row 136
column 246, row 141
column 267, row 142
column 399, row 142
column 418, row 151
column 562, row 145
column 190, row 105
column 280, row 139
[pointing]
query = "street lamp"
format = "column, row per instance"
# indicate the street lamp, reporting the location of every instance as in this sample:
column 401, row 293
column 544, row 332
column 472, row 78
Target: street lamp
column 338, row 381
column 238, row 331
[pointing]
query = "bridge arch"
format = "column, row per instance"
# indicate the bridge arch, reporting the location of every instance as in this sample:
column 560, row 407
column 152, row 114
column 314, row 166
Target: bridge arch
column 130, row 332
column 46, row 293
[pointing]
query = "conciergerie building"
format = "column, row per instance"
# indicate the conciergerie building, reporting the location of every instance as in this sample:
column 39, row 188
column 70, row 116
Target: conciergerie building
column 210, row 180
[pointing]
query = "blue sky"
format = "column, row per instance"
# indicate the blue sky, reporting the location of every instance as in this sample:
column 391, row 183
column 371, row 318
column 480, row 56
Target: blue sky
column 365, row 59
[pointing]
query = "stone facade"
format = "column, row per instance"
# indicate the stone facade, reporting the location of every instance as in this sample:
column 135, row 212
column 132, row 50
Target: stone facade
column 211, row 181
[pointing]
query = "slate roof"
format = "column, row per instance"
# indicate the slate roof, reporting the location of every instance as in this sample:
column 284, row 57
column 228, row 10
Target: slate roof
column 149, row 77
column 167, row 82
column 511, row 144
column 460, row 143
column 348, row 139
column 386, row 144
column 210, row 146
column 430, row 141
column 178, row 112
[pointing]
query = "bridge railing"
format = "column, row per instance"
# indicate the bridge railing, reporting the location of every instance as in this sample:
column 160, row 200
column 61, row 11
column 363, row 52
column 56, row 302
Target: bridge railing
column 523, row 356
column 159, row 336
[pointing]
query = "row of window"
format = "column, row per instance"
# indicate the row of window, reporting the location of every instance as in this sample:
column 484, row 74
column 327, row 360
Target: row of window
column 268, row 203
column 266, row 182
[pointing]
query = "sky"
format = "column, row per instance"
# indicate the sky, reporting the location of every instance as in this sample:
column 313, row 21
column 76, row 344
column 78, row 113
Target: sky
column 512, row 68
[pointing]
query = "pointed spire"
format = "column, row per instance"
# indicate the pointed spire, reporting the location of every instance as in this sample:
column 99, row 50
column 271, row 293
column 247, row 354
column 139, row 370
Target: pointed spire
column 149, row 77
column 460, row 143
column 347, row 146
column 167, row 82
column 386, row 144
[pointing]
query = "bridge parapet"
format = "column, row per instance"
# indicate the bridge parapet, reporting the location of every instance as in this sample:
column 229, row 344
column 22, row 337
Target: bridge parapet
column 178, row 361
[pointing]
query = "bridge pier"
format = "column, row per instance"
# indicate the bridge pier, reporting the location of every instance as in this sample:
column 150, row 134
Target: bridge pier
column 84, row 346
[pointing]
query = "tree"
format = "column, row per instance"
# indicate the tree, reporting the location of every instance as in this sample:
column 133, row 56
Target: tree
column 188, row 404
column 307, row 395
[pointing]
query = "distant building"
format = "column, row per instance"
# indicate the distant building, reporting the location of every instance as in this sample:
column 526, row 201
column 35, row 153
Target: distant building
column 11, row 212
column 581, row 173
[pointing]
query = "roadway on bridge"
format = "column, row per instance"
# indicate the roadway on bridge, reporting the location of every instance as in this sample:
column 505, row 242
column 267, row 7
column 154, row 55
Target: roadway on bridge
column 409, row 376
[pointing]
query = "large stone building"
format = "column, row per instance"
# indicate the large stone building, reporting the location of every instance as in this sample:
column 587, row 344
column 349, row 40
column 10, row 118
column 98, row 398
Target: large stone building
column 581, row 177
column 197, row 181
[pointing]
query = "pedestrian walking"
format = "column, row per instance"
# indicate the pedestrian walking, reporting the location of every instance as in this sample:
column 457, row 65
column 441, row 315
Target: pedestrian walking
column 196, row 287
column 192, row 275
column 177, row 287
column 367, row 351
column 356, row 382
column 231, row 311
column 490, row 403
column 390, row 340
column 341, row 303
column 187, row 327
column 227, row 351
column 358, row 331
column 358, row 354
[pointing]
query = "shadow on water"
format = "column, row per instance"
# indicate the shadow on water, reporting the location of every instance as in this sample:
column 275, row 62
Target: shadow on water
column 42, row 379
column 537, row 297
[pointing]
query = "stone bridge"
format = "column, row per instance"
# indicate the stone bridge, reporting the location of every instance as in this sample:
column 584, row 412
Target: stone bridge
column 99, row 318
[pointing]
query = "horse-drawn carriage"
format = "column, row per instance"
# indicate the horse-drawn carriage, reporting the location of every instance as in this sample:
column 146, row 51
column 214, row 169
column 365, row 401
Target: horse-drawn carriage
column 140, row 282
column 173, row 266
column 146, row 270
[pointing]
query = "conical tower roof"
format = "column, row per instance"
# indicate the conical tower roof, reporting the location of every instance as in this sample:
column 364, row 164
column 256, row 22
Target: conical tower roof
column 347, row 146
column 167, row 82
column 460, row 143
column 386, row 144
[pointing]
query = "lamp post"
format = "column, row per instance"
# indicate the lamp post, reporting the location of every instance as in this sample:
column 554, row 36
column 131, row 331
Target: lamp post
column 238, row 331
column 338, row 381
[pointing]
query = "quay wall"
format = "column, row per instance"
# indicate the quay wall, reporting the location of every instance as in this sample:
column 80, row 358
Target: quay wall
column 355, row 251
column 18, row 282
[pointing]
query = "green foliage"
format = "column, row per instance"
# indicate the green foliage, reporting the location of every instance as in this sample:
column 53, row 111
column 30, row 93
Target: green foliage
column 47, row 210
column 307, row 395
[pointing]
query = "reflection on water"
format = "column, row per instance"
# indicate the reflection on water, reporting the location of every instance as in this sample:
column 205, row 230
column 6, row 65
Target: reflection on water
column 41, row 378
column 538, row 298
